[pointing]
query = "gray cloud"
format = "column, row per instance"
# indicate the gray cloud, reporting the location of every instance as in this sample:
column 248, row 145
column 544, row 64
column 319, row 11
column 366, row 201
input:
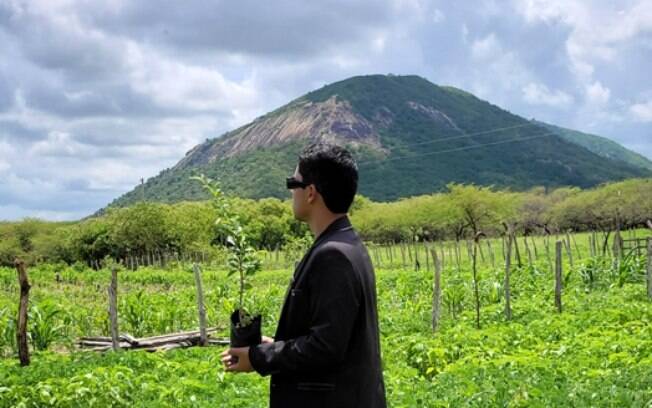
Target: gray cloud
column 98, row 100
column 280, row 28
column 17, row 131
column 95, row 95
column 6, row 94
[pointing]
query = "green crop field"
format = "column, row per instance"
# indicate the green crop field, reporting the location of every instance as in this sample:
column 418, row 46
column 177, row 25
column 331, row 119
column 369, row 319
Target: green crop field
column 596, row 353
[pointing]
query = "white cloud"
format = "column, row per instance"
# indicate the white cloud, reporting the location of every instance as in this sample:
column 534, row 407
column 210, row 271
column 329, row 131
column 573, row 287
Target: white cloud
column 175, row 84
column 486, row 48
column 597, row 94
column 379, row 43
column 6, row 149
column 6, row 152
column 14, row 212
column 598, row 28
column 59, row 144
column 642, row 111
column 438, row 16
column 497, row 71
column 539, row 94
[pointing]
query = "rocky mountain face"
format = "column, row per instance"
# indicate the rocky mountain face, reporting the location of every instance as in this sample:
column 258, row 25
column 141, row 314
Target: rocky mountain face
column 332, row 120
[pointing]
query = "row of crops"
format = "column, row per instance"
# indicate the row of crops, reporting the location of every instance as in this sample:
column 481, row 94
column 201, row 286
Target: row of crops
column 598, row 352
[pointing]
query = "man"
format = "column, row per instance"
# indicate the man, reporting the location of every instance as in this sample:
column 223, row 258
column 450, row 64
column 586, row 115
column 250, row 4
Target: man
column 326, row 352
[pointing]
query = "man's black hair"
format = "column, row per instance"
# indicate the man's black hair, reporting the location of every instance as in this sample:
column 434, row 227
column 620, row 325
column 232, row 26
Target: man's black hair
column 333, row 171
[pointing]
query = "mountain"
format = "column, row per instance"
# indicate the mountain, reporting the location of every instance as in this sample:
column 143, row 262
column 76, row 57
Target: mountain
column 409, row 135
column 600, row 145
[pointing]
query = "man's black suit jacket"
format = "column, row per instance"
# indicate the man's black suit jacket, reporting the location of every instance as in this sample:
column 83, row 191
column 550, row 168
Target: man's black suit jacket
column 326, row 351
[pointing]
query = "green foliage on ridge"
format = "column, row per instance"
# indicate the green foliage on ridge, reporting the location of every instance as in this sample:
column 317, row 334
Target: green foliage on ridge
column 458, row 213
column 601, row 146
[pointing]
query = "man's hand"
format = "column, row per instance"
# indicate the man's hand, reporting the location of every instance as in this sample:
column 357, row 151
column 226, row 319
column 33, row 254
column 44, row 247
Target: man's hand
column 267, row 340
column 237, row 360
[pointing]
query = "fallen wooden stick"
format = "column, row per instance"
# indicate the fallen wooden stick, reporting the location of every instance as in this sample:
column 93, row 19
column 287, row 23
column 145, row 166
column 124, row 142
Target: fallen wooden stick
column 123, row 337
column 130, row 339
column 156, row 343
column 209, row 330
column 90, row 343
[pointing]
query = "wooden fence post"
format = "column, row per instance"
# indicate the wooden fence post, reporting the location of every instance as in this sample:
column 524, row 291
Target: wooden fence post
column 436, row 295
column 21, row 334
column 469, row 249
column 618, row 245
column 558, row 276
column 517, row 252
column 527, row 249
column 546, row 243
column 425, row 253
column 386, row 254
column 375, row 253
column 508, row 265
column 476, row 289
column 577, row 248
column 203, row 339
column 649, row 268
column 113, row 309
column 536, row 250
column 491, row 254
column 568, row 251
column 443, row 255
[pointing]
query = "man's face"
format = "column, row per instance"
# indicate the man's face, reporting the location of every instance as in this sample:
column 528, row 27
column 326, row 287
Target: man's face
column 300, row 204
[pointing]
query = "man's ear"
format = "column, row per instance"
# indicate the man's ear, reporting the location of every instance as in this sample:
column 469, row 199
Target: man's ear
column 312, row 193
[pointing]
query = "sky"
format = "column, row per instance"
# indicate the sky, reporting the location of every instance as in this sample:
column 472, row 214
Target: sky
column 95, row 95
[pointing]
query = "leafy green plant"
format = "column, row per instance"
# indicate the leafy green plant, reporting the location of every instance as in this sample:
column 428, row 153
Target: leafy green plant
column 8, row 325
column 45, row 326
column 296, row 247
column 590, row 271
column 628, row 269
column 241, row 259
column 494, row 291
column 453, row 298
column 136, row 312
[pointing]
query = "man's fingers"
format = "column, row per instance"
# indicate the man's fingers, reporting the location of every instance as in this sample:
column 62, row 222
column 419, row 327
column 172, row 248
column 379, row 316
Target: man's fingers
column 233, row 359
column 231, row 352
column 227, row 359
column 237, row 351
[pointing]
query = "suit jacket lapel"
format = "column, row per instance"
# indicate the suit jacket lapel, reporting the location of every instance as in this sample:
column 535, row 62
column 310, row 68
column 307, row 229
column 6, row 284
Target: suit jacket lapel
column 337, row 225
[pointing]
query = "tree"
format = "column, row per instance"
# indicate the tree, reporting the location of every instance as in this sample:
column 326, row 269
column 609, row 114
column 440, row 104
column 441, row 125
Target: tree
column 479, row 209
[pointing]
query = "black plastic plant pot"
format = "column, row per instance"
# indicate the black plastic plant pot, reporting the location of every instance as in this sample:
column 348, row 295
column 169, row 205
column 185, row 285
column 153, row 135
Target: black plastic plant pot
column 249, row 335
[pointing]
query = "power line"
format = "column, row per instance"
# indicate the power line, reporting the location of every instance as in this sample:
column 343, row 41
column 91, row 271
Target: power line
column 464, row 135
column 457, row 149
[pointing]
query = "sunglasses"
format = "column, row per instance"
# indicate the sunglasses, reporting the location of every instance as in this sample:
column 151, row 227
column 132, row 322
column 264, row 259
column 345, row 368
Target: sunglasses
column 291, row 183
